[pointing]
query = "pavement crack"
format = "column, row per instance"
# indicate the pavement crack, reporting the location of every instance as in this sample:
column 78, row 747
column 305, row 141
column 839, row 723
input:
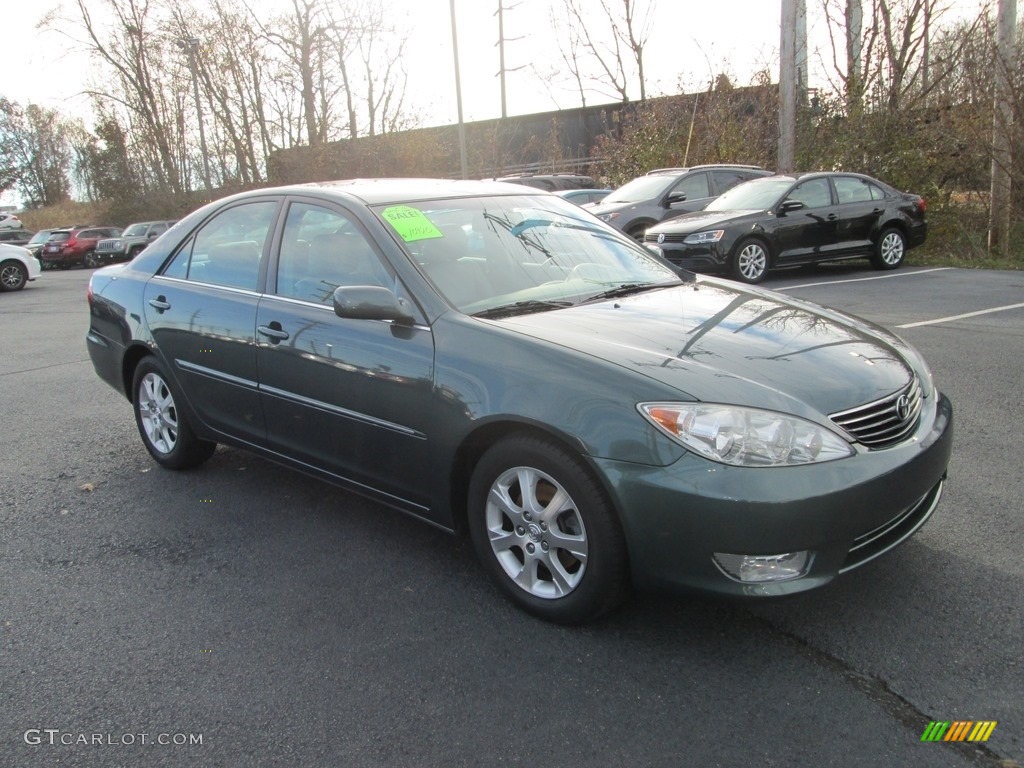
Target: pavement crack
column 878, row 691
column 44, row 367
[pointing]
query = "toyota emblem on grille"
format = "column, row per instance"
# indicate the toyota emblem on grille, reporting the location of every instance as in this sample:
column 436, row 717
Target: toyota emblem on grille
column 903, row 407
column 661, row 237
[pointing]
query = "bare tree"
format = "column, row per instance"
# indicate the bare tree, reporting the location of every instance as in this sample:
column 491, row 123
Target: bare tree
column 36, row 153
column 303, row 38
column 880, row 50
column 616, row 50
column 382, row 51
column 134, row 50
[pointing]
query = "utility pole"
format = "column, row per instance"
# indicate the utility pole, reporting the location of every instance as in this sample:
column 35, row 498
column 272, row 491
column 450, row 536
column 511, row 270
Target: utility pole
column 854, row 46
column 458, row 93
column 191, row 45
column 800, row 46
column 787, row 88
column 1002, row 128
column 500, row 13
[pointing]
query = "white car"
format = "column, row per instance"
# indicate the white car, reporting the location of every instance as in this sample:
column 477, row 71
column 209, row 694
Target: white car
column 17, row 267
column 9, row 221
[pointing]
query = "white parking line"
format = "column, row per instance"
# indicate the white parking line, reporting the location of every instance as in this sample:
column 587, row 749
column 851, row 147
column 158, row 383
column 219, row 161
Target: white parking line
column 862, row 279
column 951, row 318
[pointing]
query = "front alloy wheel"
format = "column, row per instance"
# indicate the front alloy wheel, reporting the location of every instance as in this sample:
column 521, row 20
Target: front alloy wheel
column 750, row 262
column 13, row 276
column 545, row 531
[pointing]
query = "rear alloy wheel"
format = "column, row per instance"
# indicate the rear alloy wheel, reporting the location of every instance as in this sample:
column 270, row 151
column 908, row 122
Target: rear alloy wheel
column 546, row 532
column 13, row 276
column 89, row 259
column 164, row 427
column 750, row 261
column 890, row 249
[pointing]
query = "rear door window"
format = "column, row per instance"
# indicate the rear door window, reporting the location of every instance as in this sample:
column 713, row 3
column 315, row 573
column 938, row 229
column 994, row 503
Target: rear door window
column 228, row 249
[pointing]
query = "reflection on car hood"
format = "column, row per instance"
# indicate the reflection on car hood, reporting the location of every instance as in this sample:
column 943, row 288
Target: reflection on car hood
column 718, row 343
column 700, row 220
column 613, row 206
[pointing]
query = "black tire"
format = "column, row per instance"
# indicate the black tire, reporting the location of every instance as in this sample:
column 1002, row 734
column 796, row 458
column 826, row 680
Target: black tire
column 750, row 261
column 637, row 231
column 890, row 249
column 164, row 427
column 13, row 276
column 89, row 259
column 569, row 566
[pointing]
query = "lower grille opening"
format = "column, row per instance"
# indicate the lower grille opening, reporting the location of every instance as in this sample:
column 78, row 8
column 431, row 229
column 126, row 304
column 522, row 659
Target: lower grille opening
column 880, row 540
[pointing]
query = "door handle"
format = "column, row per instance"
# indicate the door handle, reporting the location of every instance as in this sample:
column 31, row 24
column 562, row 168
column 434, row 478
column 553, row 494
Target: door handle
column 160, row 304
column 832, row 217
column 274, row 332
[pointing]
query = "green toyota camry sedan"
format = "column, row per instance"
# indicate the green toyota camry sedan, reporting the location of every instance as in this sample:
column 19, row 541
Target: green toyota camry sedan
column 495, row 360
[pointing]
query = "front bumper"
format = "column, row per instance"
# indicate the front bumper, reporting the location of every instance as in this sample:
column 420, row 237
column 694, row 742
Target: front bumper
column 698, row 258
column 845, row 512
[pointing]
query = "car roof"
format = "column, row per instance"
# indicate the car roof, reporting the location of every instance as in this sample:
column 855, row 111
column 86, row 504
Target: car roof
column 720, row 166
column 411, row 190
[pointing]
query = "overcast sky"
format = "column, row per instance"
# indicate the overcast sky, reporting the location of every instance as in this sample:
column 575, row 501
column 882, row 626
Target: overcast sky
column 690, row 42
column 689, row 39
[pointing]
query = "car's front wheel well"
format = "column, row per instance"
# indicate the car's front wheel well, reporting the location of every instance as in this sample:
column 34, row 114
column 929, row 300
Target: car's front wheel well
column 637, row 229
column 475, row 445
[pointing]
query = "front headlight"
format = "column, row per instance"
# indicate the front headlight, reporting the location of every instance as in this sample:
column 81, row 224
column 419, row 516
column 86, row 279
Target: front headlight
column 701, row 238
column 608, row 216
column 745, row 437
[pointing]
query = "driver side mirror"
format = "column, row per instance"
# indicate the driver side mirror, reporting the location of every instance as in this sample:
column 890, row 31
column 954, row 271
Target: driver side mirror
column 675, row 197
column 370, row 302
column 791, row 205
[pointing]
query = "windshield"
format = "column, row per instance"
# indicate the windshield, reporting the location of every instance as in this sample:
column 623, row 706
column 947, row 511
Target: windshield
column 136, row 230
column 40, row 237
column 756, row 195
column 513, row 254
column 641, row 189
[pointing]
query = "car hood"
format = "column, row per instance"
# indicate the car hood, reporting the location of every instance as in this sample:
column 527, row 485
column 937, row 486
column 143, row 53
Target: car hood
column 714, row 342
column 701, row 220
column 615, row 206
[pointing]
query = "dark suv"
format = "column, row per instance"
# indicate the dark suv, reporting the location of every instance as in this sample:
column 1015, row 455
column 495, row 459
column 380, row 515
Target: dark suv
column 130, row 242
column 72, row 247
column 15, row 236
column 668, row 192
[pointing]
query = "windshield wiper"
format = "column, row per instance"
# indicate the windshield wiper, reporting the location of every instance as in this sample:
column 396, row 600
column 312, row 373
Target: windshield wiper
column 521, row 308
column 524, row 239
column 628, row 288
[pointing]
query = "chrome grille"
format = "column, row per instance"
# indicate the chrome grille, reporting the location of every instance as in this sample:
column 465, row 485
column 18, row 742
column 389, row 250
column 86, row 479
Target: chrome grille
column 884, row 422
column 653, row 238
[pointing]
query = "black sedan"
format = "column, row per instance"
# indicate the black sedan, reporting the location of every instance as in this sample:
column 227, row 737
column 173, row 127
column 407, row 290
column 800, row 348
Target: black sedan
column 789, row 220
column 497, row 360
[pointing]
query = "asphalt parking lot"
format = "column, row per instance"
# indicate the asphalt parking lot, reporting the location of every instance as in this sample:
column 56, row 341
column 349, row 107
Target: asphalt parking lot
column 243, row 614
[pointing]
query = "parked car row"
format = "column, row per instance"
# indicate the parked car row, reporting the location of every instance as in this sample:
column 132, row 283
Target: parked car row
column 794, row 219
column 743, row 220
